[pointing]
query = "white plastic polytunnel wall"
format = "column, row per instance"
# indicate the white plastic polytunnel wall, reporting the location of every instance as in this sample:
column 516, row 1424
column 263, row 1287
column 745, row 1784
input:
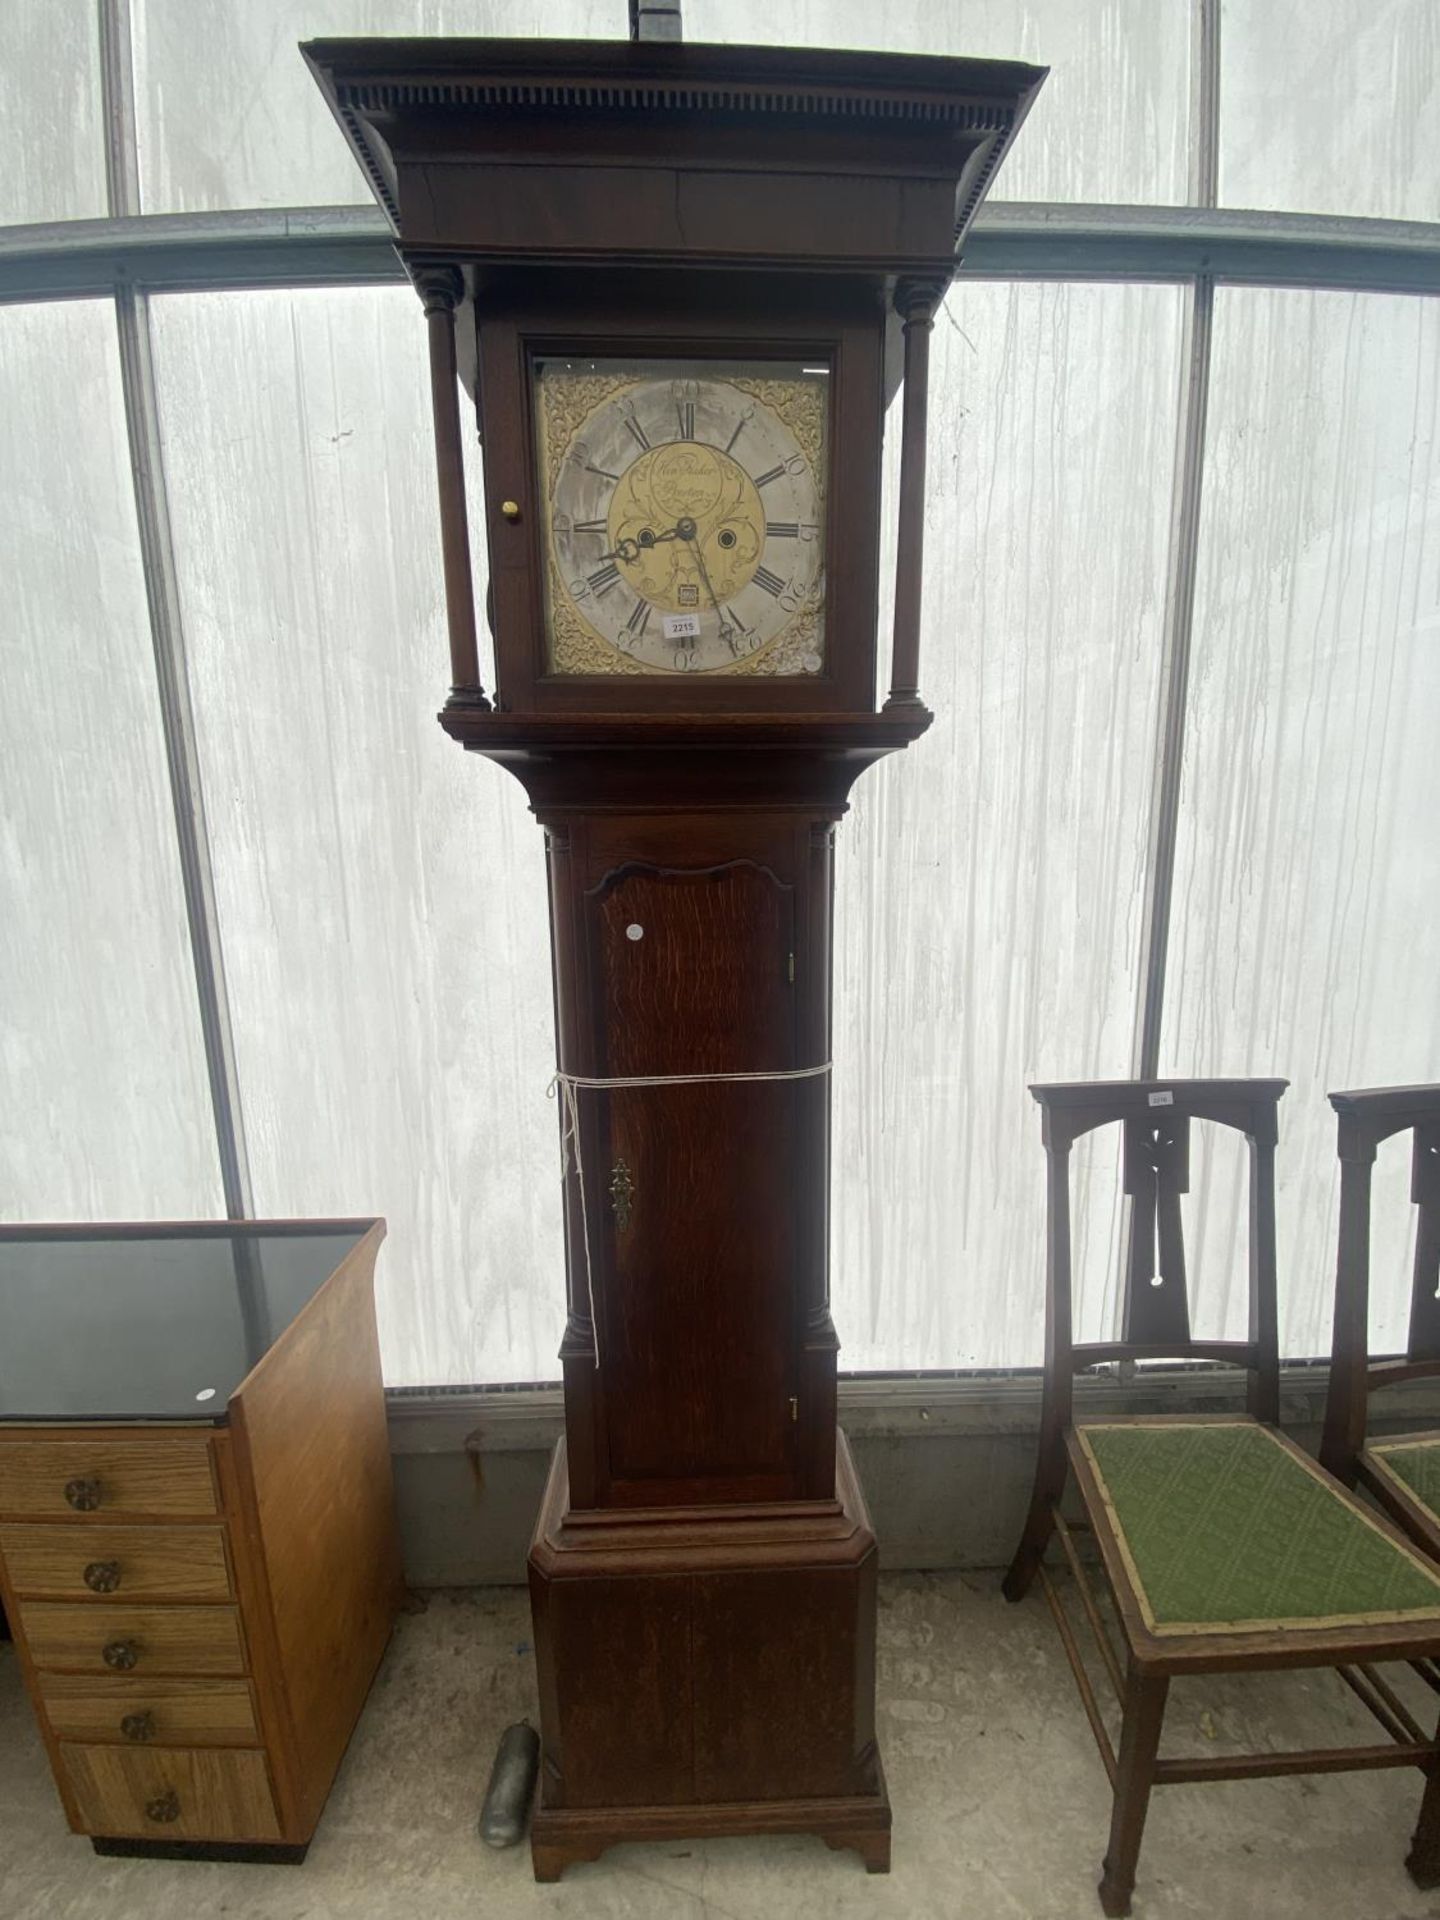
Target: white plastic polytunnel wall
column 270, row 944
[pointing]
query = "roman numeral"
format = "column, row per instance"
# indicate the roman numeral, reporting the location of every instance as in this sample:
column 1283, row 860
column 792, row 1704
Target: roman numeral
column 605, row 473
column 685, row 414
column 639, row 619
column 605, row 578
column 764, row 479
column 739, row 429
column 588, row 526
column 783, row 529
column 771, row 582
column 636, row 432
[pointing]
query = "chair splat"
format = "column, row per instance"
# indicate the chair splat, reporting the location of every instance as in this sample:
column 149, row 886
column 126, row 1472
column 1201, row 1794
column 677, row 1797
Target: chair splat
column 1366, row 1119
column 1156, row 1173
column 1424, row 1342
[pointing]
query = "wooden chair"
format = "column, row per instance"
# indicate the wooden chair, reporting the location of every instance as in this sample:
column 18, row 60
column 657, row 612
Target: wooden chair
column 1403, row 1471
column 1224, row 1547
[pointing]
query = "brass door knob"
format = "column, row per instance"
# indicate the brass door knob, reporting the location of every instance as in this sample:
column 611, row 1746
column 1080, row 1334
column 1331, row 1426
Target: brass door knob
column 102, row 1576
column 120, row 1654
column 138, row 1726
column 164, row 1808
column 83, row 1494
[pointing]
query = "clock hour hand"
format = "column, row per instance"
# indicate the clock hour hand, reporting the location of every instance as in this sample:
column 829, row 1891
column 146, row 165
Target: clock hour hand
column 630, row 550
column 689, row 532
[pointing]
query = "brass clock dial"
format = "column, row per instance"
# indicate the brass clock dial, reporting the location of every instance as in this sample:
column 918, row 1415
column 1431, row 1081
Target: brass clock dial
column 683, row 516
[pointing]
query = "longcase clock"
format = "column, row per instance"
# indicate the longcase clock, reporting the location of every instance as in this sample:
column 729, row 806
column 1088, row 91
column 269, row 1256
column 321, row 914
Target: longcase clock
column 680, row 285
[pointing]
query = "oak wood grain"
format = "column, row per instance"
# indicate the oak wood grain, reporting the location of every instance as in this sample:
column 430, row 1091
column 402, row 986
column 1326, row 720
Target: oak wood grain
column 25, row 1653
column 152, row 1563
column 697, row 1338
column 166, row 1640
column 301, row 1537
column 312, row 1464
column 216, row 1795
column 717, row 1662
column 694, row 1677
column 185, row 1712
column 165, row 1473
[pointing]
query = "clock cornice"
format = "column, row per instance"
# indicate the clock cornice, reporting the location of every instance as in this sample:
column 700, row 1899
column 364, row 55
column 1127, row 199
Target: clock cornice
column 423, row 116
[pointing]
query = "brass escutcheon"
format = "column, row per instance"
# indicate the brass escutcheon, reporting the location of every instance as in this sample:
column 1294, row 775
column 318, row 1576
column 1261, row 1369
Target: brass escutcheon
column 622, row 1192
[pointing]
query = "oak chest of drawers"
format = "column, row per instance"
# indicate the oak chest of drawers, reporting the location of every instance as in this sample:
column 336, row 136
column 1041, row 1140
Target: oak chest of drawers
column 198, row 1554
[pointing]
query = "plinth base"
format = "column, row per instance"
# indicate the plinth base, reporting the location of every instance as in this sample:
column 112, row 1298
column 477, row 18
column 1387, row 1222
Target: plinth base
column 706, row 1671
column 559, row 1838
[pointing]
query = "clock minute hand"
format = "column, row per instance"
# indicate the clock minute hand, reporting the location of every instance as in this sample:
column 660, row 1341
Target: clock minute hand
column 693, row 537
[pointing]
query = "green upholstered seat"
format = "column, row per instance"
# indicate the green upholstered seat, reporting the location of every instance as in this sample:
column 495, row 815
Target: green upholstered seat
column 1414, row 1460
column 1225, row 1528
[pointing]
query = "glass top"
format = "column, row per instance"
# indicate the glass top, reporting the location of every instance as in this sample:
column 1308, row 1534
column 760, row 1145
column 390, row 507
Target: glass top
column 160, row 1324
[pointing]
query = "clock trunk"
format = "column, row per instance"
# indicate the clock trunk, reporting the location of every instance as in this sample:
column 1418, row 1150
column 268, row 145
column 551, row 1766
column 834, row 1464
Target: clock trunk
column 686, row 948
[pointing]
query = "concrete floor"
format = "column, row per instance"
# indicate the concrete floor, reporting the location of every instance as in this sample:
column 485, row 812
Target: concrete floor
column 1000, row 1800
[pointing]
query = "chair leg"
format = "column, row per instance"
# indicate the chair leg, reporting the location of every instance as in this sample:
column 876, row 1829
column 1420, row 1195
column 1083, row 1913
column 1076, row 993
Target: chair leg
column 1139, row 1743
column 1422, row 1862
column 1039, row 1526
column 1052, row 1470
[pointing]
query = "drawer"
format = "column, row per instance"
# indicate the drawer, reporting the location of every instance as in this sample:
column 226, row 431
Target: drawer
column 134, row 1711
column 128, row 1563
column 73, row 1474
column 174, row 1793
column 142, row 1640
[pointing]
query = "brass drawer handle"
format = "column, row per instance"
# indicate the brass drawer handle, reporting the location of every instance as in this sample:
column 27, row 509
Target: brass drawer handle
column 164, row 1808
column 138, row 1726
column 83, row 1494
column 120, row 1654
column 102, row 1576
